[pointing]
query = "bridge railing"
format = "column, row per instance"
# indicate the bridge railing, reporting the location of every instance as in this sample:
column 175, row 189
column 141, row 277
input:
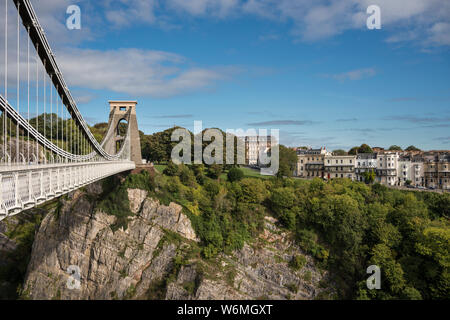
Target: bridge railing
column 26, row 188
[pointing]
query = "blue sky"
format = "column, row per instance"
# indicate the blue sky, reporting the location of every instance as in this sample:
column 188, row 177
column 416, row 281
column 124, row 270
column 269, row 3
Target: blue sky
column 309, row 68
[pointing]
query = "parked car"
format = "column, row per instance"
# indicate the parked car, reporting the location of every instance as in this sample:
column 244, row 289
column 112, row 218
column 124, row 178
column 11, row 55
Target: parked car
column 431, row 188
column 410, row 186
column 421, row 187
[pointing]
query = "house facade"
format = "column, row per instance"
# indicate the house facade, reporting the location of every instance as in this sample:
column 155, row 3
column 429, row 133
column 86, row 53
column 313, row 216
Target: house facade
column 365, row 162
column 339, row 167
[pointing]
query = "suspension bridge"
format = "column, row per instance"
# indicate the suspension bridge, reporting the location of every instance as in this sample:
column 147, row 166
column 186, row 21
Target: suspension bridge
column 46, row 147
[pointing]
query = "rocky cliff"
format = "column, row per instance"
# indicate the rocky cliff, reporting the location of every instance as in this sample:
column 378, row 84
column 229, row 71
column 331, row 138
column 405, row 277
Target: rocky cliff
column 157, row 257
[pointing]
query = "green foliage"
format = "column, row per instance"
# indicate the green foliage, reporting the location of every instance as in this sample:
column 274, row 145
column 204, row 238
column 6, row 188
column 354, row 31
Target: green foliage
column 364, row 148
column 340, row 152
column 214, row 171
column 114, row 199
column 412, row 148
column 297, row 262
column 13, row 266
column 171, row 169
column 235, row 174
column 346, row 226
column 369, row 176
column 395, row 148
column 287, row 161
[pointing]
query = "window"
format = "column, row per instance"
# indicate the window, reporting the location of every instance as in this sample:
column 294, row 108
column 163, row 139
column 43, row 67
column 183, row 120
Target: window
column 301, row 161
column 123, row 108
column 342, row 161
column 350, row 161
column 337, row 161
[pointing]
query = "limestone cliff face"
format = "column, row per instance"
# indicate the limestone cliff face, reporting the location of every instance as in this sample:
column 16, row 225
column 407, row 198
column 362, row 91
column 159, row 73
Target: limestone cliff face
column 156, row 257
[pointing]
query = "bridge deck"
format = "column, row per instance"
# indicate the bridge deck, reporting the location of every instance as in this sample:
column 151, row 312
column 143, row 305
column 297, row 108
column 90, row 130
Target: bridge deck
column 24, row 187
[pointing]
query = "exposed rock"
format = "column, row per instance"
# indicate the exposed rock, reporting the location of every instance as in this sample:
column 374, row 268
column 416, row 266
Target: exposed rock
column 146, row 261
column 170, row 218
column 136, row 197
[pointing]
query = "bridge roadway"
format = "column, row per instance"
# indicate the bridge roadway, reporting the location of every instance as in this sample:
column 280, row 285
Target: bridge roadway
column 26, row 186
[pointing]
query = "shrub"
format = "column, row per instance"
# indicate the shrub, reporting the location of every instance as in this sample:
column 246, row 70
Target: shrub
column 297, row 262
column 235, row 174
column 171, row 169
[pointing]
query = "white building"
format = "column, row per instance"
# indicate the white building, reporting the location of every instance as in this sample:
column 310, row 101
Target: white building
column 404, row 171
column 255, row 145
column 418, row 173
column 365, row 162
column 387, row 168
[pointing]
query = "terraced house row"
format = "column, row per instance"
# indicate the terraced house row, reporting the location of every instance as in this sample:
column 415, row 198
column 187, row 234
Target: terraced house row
column 392, row 168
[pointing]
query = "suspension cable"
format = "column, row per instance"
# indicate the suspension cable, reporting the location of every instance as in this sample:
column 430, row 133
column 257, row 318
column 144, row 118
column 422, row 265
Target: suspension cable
column 51, row 110
column 45, row 106
column 28, row 98
column 18, row 83
column 57, row 117
column 5, row 115
column 37, row 101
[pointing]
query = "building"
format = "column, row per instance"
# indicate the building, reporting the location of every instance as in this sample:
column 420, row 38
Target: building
column 437, row 171
column 254, row 146
column 392, row 168
column 417, row 172
column 387, row 168
column 339, row 167
column 310, row 162
column 365, row 162
column 410, row 170
column 404, row 171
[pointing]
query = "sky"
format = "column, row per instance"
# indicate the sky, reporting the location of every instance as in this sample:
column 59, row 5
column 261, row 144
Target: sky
column 310, row 68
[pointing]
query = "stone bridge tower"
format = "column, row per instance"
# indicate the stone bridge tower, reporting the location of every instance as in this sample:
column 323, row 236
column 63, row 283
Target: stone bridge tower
column 117, row 115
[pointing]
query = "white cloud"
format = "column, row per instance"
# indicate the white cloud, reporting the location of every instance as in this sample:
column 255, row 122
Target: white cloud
column 420, row 21
column 353, row 75
column 137, row 72
column 220, row 8
column 440, row 33
column 320, row 19
column 126, row 12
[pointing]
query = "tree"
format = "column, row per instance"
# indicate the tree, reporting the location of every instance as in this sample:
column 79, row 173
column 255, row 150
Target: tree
column 339, row 152
column 235, row 174
column 395, row 148
column 392, row 272
column 353, row 151
column 364, row 148
column 369, row 176
column 252, row 190
column 215, row 170
column 412, row 148
column 287, row 162
column 171, row 170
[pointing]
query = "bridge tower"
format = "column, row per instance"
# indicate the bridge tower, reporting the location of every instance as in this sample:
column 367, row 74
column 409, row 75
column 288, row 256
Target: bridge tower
column 118, row 113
